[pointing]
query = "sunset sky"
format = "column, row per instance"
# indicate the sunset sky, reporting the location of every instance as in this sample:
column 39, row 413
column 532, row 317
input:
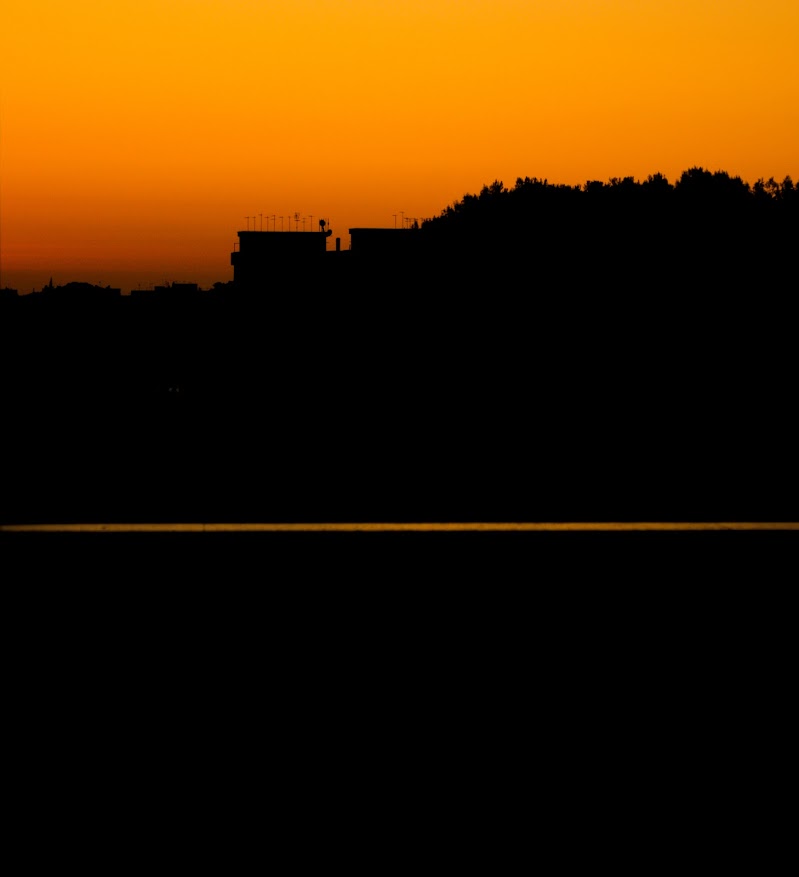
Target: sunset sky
column 136, row 136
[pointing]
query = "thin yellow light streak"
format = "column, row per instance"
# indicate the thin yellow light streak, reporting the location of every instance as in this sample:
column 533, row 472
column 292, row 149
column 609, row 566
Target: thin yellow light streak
column 455, row 527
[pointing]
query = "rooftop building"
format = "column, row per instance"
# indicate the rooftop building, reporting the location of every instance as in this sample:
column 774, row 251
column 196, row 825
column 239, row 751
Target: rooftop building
column 260, row 254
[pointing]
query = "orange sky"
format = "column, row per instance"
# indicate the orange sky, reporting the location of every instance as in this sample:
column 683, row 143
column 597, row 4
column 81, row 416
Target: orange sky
column 137, row 135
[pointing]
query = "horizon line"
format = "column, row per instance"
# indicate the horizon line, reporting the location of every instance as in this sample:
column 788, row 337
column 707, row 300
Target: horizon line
column 485, row 526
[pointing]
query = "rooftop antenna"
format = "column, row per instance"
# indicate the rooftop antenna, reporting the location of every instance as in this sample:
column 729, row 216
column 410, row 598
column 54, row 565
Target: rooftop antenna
column 281, row 223
column 403, row 218
column 395, row 219
column 261, row 216
column 310, row 217
column 296, row 222
column 248, row 222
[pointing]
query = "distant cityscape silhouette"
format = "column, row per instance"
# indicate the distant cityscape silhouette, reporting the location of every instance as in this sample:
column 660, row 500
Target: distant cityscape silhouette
column 703, row 210
column 619, row 350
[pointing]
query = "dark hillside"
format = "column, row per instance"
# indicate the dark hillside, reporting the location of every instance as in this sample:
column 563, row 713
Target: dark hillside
column 618, row 351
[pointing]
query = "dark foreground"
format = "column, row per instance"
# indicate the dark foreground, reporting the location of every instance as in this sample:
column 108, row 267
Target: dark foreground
column 485, row 405
column 476, row 692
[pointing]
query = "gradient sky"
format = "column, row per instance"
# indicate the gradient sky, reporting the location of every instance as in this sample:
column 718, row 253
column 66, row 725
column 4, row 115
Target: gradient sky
column 137, row 135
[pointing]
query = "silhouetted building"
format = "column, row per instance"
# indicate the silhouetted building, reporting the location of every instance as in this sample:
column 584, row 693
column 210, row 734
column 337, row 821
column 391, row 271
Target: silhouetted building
column 8, row 292
column 177, row 291
column 384, row 243
column 264, row 256
column 261, row 254
column 80, row 293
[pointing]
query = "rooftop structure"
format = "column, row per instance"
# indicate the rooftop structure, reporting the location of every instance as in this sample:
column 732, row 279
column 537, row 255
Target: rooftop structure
column 261, row 253
column 383, row 243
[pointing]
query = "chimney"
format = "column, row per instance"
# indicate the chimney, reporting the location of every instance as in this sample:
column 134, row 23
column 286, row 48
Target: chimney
column 338, row 245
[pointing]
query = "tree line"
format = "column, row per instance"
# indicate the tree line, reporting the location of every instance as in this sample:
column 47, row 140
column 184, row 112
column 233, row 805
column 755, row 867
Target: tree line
column 708, row 220
column 531, row 198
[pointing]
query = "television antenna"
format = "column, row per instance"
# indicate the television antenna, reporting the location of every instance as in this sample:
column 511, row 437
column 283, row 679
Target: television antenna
column 296, row 222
